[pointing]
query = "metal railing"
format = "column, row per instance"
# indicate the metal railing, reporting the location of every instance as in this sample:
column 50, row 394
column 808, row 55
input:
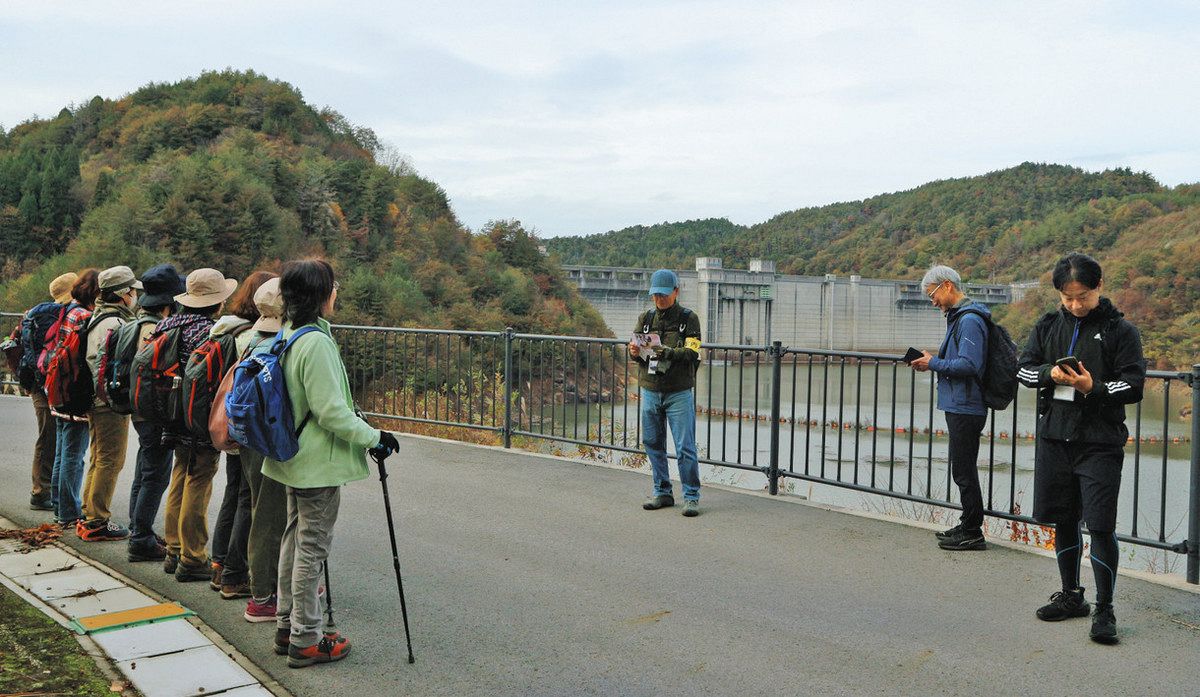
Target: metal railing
column 859, row 422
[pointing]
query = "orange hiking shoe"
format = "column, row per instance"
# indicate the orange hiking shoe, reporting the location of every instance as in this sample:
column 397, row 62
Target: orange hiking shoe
column 327, row 650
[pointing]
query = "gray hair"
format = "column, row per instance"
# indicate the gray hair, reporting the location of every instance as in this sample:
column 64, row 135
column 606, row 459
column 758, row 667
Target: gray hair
column 941, row 274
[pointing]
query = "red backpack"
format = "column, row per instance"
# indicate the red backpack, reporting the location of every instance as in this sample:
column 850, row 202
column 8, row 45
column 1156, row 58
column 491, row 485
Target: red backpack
column 202, row 377
column 70, row 388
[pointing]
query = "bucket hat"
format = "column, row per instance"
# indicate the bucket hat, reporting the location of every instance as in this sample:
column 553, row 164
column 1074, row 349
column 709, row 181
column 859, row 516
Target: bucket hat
column 205, row 288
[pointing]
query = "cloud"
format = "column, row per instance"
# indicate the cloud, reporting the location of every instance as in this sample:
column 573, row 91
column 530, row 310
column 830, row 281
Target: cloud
column 583, row 117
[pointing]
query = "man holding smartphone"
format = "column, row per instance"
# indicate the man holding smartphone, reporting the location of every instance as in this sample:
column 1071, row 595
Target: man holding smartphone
column 960, row 364
column 666, row 345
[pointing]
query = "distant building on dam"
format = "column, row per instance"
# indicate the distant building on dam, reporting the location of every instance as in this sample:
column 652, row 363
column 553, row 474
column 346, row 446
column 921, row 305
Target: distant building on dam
column 756, row 306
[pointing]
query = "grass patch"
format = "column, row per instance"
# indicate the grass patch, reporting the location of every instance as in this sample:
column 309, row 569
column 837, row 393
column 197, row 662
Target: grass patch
column 40, row 657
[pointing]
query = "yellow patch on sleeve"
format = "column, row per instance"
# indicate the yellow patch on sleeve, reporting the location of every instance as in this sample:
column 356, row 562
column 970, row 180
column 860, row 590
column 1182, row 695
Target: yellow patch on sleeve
column 692, row 343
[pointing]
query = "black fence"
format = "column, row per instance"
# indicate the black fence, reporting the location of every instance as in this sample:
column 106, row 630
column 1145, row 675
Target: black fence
column 860, row 422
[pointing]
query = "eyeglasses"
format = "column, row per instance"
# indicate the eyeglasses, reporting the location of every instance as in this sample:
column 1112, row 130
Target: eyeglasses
column 336, row 285
column 935, row 290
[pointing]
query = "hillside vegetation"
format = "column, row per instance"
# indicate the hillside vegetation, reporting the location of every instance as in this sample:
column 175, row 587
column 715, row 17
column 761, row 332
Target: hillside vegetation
column 1010, row 225
column 235, row 171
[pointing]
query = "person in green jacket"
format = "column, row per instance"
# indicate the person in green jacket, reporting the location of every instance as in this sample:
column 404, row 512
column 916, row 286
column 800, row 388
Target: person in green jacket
column 333, row 445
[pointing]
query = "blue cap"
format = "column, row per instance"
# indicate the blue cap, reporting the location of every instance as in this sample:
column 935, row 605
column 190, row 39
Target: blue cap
column 663, row 282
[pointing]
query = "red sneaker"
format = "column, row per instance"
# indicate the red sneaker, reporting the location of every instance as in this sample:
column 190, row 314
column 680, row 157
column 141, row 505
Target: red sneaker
column 283, row 640
column 260, row 612
column 327, row 650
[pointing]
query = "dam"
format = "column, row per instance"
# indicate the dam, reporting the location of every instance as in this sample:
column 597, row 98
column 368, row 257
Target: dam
column 756, row 306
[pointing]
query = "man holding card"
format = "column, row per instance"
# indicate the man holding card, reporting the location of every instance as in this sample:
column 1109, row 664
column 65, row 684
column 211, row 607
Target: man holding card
column 959, row 365
column 666, row 345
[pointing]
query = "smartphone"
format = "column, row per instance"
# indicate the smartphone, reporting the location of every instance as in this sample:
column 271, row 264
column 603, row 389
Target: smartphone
column 912, row 355
column 1068, row 362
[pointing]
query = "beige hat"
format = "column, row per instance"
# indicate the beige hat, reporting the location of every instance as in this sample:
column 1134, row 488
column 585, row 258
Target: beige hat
column 269, row 301
column 118, row 278
column 205, row 288
column 60, row 288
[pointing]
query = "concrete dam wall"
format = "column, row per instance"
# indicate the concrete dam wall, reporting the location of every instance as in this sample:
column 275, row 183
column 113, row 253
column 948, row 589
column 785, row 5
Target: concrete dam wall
column 756, row 306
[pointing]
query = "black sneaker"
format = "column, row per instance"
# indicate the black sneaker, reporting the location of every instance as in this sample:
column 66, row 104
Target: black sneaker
column 1104, row 625
column 186, row 574
column 946, row 534
column 170, row 564
column 656, row 502
column 40, row 503
column 963, row 540
column 150, row 552
column 1064, row 605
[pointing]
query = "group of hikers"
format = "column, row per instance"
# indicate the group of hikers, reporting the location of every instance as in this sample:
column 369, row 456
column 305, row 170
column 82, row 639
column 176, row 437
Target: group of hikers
column 172, row 355
column 164, row 351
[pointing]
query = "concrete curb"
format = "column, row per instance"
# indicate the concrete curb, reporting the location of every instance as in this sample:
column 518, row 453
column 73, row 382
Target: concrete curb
column 174, row 652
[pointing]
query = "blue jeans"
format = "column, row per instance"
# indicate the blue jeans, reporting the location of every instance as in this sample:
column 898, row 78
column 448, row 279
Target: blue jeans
column 151, row 476
column 66, row 480
column 677, row 409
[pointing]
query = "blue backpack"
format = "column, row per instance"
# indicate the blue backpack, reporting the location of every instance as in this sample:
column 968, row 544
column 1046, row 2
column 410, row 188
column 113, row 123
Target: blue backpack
column 258, row 408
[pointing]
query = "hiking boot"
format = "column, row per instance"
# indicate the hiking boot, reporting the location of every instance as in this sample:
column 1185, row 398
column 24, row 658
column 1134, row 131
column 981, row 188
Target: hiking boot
column 263, row 611
column 186, row 574
column 691, row 508
column 170, row 563
column 1104, row 625
column 947, row 534
column 1064, row 605
column 214, row 582
column 327, row 650
column 283, row 640
column 233, row 591
column 40, row 503
column 151, row 552
column 102, row 531
column 656, row 502
column 964, row 540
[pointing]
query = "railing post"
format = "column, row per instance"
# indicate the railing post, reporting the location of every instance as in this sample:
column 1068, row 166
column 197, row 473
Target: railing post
column 1193, row 542
column 508, row 378
column 775, row 351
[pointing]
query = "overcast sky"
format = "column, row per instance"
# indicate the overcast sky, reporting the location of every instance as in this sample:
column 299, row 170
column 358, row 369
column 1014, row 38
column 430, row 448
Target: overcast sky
column 581, row 117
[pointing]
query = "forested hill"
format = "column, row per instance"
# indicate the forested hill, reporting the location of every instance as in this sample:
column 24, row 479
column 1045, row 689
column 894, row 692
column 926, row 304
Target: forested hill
column 1003, row 226
column 235, row 171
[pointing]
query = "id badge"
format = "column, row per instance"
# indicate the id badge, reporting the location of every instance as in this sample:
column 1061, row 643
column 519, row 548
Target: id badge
column 1064, row 393
column 652, row 365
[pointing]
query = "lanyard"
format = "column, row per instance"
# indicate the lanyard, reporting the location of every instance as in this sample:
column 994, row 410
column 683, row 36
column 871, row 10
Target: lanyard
column 1074, row 338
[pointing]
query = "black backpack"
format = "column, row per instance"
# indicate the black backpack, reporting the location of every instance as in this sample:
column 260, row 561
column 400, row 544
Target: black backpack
column 999, row 383
column 114, row 378
column 156, row 375
column 39, row 328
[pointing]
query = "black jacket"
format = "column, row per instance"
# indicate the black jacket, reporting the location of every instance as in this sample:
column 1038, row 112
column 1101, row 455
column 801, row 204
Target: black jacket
column 1110, row 348
column 679, row 331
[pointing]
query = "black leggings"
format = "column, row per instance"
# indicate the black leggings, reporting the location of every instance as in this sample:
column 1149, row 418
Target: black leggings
column 1068, row 548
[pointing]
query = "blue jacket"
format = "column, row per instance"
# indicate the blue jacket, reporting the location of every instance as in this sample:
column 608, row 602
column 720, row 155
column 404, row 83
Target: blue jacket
column 961, row 361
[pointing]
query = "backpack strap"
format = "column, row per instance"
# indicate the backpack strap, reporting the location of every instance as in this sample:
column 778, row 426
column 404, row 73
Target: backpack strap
column 987, row 329
column 279, row 348
column 648, row 322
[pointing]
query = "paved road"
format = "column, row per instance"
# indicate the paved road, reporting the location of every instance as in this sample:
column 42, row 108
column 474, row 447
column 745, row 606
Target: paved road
column 528, row 576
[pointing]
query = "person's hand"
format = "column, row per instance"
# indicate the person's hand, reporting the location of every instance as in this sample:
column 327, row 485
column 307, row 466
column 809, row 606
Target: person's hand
column 387, row 445
column 633, row 348
column 1081, row 380
column 921, row 364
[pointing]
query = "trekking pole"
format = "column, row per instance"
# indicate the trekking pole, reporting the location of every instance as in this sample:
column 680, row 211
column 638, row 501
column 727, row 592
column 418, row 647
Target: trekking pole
column 328, row 596
column 387, row 503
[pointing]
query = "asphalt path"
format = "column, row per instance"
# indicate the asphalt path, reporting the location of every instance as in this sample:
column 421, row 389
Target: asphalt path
column 532, row 576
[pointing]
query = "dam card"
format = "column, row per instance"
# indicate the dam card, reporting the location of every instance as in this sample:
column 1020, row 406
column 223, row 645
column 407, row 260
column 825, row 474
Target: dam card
column 646, row 340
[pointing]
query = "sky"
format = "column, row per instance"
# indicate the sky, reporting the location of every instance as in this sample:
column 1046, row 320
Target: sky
column 582, row 117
